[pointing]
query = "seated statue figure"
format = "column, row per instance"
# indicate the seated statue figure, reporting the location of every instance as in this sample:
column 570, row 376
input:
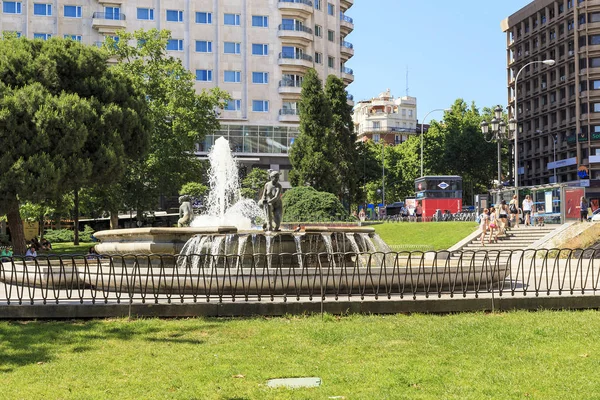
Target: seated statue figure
column 185, row 211
column 271, row 200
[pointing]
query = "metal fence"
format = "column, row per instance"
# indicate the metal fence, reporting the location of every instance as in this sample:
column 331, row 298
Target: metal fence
column 403, row 275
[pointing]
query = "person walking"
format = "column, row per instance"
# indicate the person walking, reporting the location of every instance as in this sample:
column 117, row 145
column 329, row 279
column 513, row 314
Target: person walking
column 503, row 217
column 583, row 209
column 513, row 207
column 484, row 224
column 419, row 212
column 527, row 207
column 493, row 224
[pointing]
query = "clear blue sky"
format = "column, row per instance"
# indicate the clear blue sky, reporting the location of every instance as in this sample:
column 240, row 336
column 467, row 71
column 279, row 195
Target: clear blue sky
column 452, row 48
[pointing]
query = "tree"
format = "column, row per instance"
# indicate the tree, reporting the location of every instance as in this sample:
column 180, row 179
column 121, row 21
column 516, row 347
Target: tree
column 311, row 155
column 66, row 121
column 180, row 117
column 254, row 182
column 344, row 140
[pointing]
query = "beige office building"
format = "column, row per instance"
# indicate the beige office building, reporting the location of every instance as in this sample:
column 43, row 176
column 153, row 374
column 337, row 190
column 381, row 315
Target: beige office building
column 385, row 118
column 558, row 106
column 257, row 50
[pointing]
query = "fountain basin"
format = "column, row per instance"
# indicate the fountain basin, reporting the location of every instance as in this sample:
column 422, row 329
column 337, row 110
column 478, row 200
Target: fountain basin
column 151, row 240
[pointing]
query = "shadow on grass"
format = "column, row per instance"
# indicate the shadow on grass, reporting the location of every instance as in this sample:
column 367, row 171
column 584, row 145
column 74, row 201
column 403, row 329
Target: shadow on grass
column 35, row 342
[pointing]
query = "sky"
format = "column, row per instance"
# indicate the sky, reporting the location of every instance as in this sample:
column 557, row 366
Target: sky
column 451, row 48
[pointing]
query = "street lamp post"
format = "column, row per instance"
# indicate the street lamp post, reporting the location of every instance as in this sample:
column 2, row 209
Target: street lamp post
column 497, row 134
column 555, row 137
column 422, row 124
column 512, row 123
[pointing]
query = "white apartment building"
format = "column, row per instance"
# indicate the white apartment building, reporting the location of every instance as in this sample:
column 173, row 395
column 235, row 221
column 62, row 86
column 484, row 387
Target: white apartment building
column 257, row 50
column 386, row 118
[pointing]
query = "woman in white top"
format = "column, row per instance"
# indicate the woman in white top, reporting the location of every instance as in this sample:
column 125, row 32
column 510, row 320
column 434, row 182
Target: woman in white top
column 527, row 206
column 484, row 224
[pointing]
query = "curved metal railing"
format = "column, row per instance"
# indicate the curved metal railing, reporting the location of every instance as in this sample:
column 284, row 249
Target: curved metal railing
column 399, row 275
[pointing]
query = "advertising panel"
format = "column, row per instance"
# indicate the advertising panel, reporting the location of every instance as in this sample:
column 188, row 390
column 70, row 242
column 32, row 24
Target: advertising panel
column 572, row 198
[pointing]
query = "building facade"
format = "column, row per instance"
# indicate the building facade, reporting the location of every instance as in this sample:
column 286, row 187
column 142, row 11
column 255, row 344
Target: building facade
column 557, row 106
column 257, row 50
column 385, row 118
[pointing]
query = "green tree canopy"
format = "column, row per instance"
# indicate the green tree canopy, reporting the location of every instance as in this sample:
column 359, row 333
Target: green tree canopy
column 66, row 121
column 345, row 147
column 180, row 117
column 311, row 155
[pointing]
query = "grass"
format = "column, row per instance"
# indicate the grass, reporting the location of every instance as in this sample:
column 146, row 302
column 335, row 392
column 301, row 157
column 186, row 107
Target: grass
column 67, row 248
column 462, row 356
column 440, row 235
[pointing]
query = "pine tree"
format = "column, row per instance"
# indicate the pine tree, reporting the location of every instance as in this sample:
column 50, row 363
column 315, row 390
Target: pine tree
column 311, row 154
column 345, row 151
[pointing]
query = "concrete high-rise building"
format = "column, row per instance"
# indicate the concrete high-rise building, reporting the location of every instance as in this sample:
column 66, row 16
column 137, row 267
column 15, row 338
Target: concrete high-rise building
column 385, row 118
column 558, row 106
column 257, row 50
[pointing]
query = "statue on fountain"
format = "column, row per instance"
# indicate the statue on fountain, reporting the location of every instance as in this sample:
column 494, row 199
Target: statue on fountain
column 271, row 200
column 186, row 213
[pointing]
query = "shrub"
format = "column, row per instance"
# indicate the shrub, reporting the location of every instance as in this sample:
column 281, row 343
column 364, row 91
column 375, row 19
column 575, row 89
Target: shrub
column 305, row 204
column 67, row 235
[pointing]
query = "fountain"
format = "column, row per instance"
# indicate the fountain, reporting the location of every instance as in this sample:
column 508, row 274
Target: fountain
column 224, row 252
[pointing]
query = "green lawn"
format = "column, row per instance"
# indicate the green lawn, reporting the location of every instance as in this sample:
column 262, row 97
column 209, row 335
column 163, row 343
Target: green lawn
column 540, row 355
column 67, row 248
column 440, row 235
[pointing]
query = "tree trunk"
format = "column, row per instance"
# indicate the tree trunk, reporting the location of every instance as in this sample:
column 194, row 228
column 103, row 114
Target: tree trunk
column 76, row 217
column 15, row 224
column 114, row 220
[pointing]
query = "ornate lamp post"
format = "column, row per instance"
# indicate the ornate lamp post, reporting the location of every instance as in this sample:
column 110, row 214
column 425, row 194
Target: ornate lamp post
column 497, row 134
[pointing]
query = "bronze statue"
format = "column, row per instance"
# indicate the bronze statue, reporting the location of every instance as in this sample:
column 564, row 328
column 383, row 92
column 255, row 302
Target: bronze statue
column 271, row 200
column 186, row 213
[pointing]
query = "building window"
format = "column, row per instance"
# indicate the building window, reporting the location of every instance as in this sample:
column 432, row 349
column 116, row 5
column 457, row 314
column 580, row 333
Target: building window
column 331, row 62
column 594, row 62
column 261, row 21
column 594, row 39
column 231, row 48
column 331, row 35
column 260, row 105
column 203, row 18
column 231, row 19
column 330, row 9
column 204, row 75
column 318, row 57
column 113, row 13
column 175, row 44
column 318, row 31
column 376, row 125
column 76, row 38
column 146, row 14
column 72, row 11
column 11, row 7
column 259, row 49
column 203, row 46
column 42, row 9
column 232, row 76
column 376, row 136
column 595, row 85
column 43, row 36
column 233, row 105
column 317, row 4
column 174, row 15
column 260, row 77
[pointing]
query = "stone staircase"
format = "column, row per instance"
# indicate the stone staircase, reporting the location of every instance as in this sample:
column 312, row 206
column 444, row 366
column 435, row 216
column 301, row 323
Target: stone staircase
column 515, row 239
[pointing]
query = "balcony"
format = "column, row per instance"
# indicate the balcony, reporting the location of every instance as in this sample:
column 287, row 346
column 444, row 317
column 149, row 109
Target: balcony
column 350, row 100
column 347, row 49
column 295, row 34
column 108, row 22
column 346, row 4
column 347, row 75
column 289, row 115
column 296, row 8
column 297, row 62
column 289, row 87
column 346, row 24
